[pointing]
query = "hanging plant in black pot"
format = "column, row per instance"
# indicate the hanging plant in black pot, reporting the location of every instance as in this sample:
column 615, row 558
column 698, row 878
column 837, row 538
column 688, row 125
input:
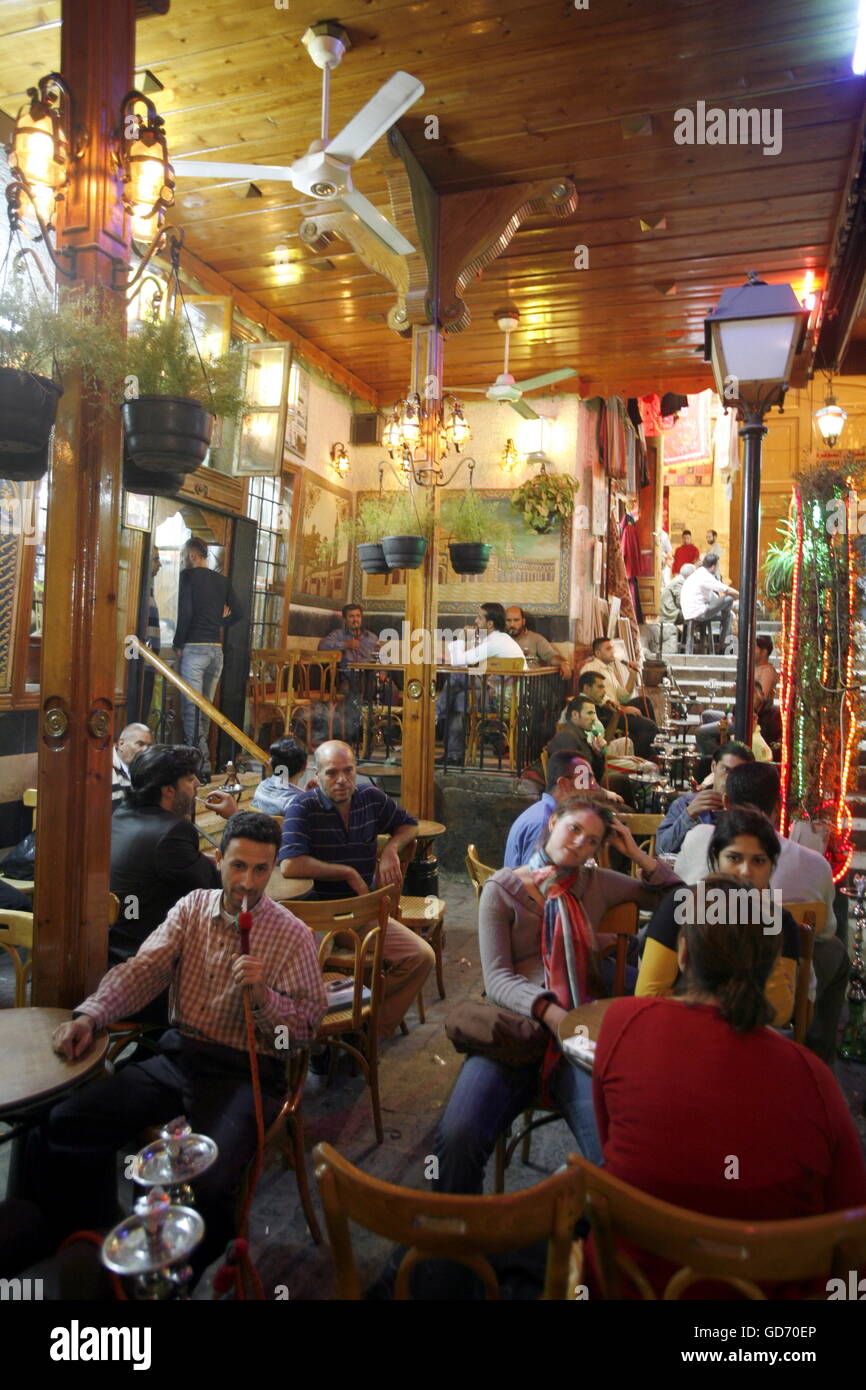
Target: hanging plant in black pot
column 37, row 342
column 371, row 558
column 472, row 530
column 405, row 543
column 150, row 482
column 168, row 421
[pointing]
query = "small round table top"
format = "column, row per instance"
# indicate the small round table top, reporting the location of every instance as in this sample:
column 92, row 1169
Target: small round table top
column 282, row 890
column 429, row 829
column 31, row 1071
column 588, row 1016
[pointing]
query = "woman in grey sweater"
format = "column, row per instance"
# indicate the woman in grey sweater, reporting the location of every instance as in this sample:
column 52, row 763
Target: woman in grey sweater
column 488, row 1095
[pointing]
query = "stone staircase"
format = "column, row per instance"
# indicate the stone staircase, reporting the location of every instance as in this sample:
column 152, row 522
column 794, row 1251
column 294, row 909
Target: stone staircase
column 709, row 682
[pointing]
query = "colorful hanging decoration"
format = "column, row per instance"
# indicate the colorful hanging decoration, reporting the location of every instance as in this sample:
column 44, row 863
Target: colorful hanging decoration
column 815, row 577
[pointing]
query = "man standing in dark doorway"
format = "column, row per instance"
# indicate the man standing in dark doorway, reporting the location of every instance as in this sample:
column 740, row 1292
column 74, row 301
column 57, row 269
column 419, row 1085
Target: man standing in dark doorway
column 205, row 603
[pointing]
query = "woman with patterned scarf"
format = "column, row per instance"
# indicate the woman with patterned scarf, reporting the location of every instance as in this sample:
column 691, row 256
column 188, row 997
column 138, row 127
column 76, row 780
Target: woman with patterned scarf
column 541, row 957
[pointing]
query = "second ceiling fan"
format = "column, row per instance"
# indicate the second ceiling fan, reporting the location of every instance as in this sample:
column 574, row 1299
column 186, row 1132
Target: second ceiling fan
column 505, row 388
column 325, row 171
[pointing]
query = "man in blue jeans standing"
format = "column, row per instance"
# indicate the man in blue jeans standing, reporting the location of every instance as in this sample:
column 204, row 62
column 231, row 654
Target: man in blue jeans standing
column 205, row 603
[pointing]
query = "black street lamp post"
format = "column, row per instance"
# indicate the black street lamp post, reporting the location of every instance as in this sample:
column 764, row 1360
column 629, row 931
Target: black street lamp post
column 751, row 339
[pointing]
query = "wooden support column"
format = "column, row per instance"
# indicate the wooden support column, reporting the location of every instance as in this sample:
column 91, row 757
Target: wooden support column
column 422, row 608
column 79, row 648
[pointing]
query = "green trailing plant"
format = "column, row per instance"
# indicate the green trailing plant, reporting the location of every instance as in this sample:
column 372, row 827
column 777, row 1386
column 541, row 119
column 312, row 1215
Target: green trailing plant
column 47, row 339
column 410, row 516
column 779, row 564
column 546, row 500
column 160, row 354
column 469, row 519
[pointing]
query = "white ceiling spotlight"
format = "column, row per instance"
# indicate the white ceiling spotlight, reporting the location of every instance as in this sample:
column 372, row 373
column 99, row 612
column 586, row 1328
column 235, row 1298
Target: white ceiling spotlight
column 325, row 171
column 505, row 388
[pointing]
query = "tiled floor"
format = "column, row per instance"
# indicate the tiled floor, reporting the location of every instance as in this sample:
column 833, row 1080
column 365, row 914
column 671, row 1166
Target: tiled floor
column 416, row 1075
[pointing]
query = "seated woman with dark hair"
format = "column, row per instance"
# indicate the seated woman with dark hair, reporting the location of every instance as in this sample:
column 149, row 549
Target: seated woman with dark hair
column 540, row 957
column 699, row 1104
column 746, row 846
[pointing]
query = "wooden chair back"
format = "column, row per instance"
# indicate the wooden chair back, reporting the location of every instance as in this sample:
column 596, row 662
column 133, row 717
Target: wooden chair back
column 16, row 934
column 324, row 666
column 352, row 932
column 437, row 1226
column 622, row 922
column 738, row 1253
column 271, row 685
column 811, row 918
column 643, row 827
column 479, row 873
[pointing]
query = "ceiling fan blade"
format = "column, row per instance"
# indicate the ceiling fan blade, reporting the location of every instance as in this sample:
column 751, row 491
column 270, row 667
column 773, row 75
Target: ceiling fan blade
column 525, row 409
column 546, row 379
column 377, row 223
column 210, row 169
column 377, row 116
column 465, row 390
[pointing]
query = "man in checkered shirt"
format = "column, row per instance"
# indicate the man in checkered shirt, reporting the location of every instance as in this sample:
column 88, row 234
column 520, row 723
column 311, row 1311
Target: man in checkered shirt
column 202, row 1068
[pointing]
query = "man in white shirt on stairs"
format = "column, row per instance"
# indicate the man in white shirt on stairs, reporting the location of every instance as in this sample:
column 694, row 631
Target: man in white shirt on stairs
column 704, row 597
column 800, row 875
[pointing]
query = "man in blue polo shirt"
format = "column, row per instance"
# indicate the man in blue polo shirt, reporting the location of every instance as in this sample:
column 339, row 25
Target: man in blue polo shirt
column 329, row 835
column 567, row 775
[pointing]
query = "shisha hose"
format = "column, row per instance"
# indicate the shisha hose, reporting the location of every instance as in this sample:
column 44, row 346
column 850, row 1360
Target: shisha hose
column 245, row 922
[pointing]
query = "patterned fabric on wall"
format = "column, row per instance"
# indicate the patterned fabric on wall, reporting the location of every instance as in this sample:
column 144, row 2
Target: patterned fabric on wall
column 688, row 447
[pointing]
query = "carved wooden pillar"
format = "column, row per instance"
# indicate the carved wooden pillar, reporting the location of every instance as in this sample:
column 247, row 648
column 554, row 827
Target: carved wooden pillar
column 79, row 648
column 419, row 689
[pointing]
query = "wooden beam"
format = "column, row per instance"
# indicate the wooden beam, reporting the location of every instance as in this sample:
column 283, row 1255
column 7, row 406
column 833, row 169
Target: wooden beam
column 212, row 281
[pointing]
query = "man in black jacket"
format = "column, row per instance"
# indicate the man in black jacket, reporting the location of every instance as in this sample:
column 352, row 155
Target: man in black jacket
column 206, row 602
column 155, row 855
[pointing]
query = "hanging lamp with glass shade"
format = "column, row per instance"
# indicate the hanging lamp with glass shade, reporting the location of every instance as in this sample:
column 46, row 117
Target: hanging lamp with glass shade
column 831, row 418
column 39, row 153
column 148, row 178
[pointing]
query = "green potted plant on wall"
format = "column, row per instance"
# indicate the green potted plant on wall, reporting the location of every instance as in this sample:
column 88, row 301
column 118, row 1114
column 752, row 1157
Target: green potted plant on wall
column 546, row 501
column 410, row 527
column 38, row 344
column 172, row 398
column 472, row 530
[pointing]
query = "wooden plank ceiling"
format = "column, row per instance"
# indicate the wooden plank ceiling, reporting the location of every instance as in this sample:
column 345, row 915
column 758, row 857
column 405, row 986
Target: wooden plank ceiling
column 522, row 91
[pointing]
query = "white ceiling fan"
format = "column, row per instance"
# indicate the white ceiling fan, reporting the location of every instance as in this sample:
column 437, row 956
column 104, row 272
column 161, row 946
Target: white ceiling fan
column 325, row 171
column 505, row 388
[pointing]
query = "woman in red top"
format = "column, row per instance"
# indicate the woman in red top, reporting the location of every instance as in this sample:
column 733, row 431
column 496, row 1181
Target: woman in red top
column 686, row 1085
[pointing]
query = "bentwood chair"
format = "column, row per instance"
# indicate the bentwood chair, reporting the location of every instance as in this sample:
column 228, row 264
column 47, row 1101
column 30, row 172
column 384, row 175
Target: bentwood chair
column 740, row 1254
column 287, row 1132
column 315, row 678
column 622, row 922
column 643, row 828
column 436, row 1226
column 479, row 873
column 271, row 688
column 811, row 919
column 352, row 932
column 16, row 936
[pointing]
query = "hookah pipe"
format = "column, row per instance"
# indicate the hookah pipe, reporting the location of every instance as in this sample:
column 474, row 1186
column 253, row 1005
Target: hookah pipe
column 237, row 1265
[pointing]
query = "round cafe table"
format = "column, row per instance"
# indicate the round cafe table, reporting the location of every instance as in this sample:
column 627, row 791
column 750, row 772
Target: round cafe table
column 282, row 890
column 588, row 1016
column 31, row 1072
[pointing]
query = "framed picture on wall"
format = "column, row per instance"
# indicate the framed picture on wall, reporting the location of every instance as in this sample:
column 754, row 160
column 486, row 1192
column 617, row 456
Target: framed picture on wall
column 322, row 556
column 296, row 413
